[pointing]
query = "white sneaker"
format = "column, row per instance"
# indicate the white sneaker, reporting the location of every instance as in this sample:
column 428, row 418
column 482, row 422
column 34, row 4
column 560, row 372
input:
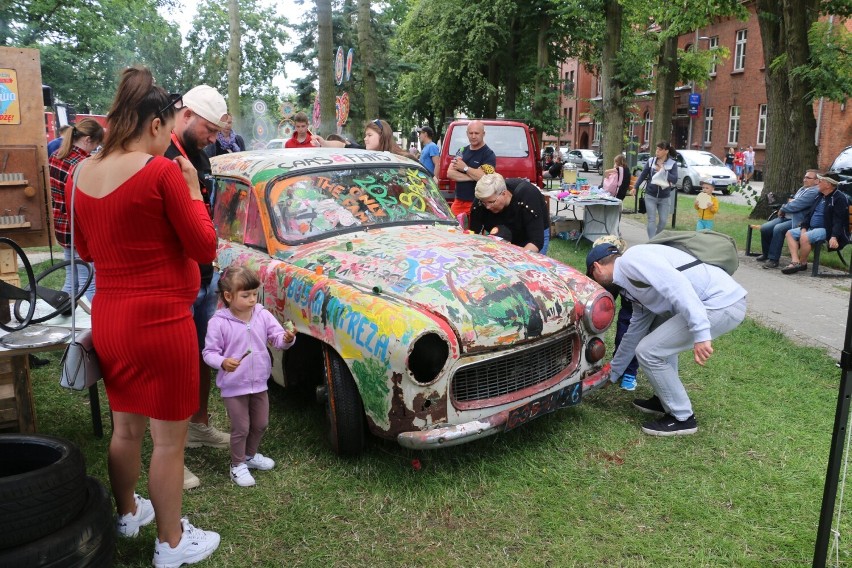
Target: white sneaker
column 195, row 545
column 128, row 525
column 260, row 461
column 241, row 476
column 190, row 480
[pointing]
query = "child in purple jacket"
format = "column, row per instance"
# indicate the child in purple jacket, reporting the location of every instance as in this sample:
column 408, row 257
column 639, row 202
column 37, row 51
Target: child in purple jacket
column 236, row 341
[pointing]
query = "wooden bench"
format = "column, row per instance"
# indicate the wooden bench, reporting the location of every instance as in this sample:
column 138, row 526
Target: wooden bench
column 818, row 249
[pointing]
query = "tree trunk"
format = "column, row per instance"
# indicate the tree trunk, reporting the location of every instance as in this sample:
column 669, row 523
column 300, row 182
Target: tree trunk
column 234, row 64
column 325, row 53
column 542, row 85
column 494, row 81
column 365, row 45
column 664, row 85
column 510, row 77
column 790, row 121
column 613, row 103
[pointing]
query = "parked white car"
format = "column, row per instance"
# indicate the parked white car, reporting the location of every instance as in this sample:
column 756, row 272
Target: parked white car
column 276, row 143
column 584, row 159
column 695, row 165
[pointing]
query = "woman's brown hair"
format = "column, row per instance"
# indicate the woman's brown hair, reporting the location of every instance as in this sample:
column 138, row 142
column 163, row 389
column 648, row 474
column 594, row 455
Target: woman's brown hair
column 137, row 100
column 86, row 127
column 387, row 141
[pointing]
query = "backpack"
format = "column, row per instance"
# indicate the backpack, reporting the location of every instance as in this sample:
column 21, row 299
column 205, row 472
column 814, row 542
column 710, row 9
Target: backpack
column 708, row 247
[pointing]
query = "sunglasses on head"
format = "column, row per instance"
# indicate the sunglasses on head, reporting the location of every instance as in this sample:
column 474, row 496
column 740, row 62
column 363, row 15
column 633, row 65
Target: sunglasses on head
column 175, row 100
column 378, row 123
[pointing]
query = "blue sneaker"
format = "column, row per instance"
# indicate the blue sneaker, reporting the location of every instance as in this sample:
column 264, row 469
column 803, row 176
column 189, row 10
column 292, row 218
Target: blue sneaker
column 628, row 382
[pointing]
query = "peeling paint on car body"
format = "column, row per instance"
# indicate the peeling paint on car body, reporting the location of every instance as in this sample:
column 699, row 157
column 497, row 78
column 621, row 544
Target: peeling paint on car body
column 359, row 250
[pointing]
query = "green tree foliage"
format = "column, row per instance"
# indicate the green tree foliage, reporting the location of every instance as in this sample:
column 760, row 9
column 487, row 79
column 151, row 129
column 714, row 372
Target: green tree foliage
column 262, row 36
column 85, row 43
column 387, row 64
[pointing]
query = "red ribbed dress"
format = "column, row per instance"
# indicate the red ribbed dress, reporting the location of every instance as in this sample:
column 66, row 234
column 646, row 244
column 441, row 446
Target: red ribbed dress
column 146, row 238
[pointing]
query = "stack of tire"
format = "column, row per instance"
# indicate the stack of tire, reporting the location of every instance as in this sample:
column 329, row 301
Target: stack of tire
column 51, row 513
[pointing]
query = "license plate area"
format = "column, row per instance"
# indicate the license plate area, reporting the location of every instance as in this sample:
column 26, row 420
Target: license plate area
column 566, row 396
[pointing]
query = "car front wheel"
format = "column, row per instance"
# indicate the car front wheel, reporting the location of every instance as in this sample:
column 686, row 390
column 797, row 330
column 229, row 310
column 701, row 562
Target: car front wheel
column 585, row 167
column 687, row 185
column 343, row 407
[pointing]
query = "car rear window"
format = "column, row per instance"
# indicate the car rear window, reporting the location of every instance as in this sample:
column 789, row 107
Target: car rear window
column 843, row 162
column 319, row 203
column 505, row 141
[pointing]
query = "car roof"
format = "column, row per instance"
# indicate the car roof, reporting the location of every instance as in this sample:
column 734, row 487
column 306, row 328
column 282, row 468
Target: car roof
column 261, row 165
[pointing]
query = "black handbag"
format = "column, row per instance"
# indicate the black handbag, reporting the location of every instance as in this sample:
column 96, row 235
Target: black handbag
column 81, row 368
column 642, row 208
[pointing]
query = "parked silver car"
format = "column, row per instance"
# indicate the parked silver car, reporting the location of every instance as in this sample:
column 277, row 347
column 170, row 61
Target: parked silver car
column 695, row 165
column 584, row 159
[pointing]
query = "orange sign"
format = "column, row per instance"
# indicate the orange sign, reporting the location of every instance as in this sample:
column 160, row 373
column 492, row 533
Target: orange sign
column 10, row 107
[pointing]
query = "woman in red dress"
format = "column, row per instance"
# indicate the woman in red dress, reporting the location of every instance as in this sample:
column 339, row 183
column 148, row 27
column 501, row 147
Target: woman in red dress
column 141, row 219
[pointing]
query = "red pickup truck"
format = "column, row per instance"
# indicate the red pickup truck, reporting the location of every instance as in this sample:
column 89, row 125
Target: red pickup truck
column 513, row 142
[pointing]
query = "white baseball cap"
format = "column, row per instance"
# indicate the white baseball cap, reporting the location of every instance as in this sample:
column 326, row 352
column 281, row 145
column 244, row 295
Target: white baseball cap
column 206, row 102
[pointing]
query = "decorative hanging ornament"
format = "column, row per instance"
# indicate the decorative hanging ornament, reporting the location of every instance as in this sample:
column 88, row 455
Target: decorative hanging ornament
column 286, row 128
column 317, row 116
column 287, row 109
column 349, row 57
column 259, row 107
column 342, row 108
column 338, row 66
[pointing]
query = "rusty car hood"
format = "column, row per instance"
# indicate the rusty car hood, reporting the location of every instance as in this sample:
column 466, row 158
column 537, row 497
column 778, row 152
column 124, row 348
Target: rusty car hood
column 492, row 293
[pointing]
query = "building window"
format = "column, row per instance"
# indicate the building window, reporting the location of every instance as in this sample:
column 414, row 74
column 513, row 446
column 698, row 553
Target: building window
column 570, row 119
column 631, row 130
column 648, row 125
column 761, row 126
column 708, row 126
column 597, row 141
column 739, row 51
column 734, row 126
column 714, row 42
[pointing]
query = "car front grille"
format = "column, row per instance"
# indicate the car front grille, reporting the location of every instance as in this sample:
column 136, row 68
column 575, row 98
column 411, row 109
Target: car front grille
column 515, row 371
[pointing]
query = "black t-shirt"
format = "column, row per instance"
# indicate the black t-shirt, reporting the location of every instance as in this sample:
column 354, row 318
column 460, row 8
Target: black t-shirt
column 201, row 161
column 482, row 158
column 526, row 215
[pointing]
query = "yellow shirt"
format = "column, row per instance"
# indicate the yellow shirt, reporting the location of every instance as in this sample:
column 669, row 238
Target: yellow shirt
column 709, row 213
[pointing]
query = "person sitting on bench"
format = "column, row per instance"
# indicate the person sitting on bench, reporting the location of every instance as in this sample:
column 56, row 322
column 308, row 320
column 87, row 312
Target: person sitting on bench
column 790, row 215
column 828, row 220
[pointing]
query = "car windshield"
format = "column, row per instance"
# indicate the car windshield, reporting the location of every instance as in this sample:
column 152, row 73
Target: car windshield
column 702, row 159
column 504, row 141
column 326, row 202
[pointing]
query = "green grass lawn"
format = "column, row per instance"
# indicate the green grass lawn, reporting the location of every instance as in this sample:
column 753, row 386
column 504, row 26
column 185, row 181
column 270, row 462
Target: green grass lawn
column 580, row 487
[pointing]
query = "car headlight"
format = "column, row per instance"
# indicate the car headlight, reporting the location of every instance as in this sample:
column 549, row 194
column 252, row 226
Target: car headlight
column 599, row 311
column 428, row 356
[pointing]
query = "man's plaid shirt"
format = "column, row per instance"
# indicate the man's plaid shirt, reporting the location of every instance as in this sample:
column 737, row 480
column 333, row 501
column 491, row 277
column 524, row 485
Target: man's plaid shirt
column 60, row 169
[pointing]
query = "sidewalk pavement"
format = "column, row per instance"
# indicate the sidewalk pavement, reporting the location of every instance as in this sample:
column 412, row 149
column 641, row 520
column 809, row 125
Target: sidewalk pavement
column 810, row 311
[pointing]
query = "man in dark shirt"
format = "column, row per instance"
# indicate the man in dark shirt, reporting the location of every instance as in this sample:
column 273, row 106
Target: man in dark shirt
column 203, row 114
column 475, row 161
column 513, row 203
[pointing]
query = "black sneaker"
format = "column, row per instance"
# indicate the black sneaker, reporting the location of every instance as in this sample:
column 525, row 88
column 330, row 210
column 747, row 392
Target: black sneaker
column 651, row 405
column 769, row 264
column 668, row 425
column 762, row 258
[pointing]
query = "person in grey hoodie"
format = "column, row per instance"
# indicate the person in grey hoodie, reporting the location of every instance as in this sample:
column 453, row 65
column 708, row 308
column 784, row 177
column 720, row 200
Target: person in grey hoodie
column 236, row 341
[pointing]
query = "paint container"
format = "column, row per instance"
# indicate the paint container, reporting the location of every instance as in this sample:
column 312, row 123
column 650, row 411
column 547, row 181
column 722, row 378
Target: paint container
column 319, row 270
column 377, row 290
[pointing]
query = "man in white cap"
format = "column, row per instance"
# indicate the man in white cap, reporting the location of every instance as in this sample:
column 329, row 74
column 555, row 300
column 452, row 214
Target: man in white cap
column 203, row 114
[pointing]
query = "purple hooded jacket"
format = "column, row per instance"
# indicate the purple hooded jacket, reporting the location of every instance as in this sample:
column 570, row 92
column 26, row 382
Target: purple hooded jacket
column 229, row 336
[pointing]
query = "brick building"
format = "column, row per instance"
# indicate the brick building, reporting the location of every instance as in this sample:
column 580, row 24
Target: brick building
column 732, row 111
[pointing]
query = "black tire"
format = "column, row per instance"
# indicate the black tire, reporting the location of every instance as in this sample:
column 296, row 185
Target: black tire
column 41, row 487
column 727, row 191
column 89, row 540
column 687, row 185
column 585, row 167
column 344, row 410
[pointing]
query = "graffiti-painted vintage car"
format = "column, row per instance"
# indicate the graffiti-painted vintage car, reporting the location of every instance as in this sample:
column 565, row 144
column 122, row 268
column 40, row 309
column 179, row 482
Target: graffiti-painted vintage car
column 411, row 328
